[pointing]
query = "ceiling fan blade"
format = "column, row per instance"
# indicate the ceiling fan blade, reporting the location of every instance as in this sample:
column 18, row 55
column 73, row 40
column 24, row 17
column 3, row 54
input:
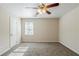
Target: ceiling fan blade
column 31, row 7
column 43, row 4
column 53, row 5
column 48, row 12
column 36, row 14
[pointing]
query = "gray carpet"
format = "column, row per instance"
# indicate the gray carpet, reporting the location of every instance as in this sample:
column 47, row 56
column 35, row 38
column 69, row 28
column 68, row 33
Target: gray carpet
column 45, row 49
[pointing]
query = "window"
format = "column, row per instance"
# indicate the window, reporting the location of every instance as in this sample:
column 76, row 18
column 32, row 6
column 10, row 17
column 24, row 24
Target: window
column 28, row 28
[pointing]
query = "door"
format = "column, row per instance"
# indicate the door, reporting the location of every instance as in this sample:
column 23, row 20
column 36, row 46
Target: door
column 18, row 30
column 12, row 31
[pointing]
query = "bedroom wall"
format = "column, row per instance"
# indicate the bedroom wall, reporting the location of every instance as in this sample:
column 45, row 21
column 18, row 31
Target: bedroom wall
column 4, row 31
column 45, row 30
column 69, row 30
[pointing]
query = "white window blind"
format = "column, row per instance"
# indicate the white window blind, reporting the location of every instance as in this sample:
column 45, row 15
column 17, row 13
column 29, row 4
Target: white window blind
column 28, row 28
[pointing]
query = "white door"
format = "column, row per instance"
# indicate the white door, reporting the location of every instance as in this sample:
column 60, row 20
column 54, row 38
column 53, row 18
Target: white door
column 18, row 31
column 12, row 31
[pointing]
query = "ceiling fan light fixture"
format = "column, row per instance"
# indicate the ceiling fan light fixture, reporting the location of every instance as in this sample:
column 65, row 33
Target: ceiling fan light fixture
column 42, row 10
column 39, row 11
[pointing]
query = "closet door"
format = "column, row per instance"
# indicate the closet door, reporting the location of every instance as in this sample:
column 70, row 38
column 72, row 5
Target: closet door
column 13, row 38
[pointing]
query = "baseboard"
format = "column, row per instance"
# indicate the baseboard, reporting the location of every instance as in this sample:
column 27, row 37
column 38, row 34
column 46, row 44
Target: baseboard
column 8, row 50
column 69, row 47
column 4, row 51
column 37, row 42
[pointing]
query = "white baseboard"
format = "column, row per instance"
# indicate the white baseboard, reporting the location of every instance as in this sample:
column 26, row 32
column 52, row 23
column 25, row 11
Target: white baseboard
column 8, row 48
column 69, row 47
column 38, row 42
column 4, row 51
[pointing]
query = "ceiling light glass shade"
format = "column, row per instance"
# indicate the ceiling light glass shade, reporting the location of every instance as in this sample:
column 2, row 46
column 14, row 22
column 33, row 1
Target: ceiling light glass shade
column 39, row 11
column 44, row 11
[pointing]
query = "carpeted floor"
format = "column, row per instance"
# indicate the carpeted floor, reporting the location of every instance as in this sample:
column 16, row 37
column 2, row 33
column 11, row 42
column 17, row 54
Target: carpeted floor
column 40, row 49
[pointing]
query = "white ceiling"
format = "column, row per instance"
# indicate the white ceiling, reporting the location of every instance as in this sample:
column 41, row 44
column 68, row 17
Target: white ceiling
column 19, row 10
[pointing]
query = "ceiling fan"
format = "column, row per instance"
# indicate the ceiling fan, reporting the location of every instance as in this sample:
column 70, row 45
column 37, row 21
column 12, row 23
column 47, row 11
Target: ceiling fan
column 44, row 8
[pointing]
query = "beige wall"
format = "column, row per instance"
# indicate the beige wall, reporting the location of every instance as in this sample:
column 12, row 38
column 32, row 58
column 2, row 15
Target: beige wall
column 4, row 31
column 45, row 30
column 69, row 30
